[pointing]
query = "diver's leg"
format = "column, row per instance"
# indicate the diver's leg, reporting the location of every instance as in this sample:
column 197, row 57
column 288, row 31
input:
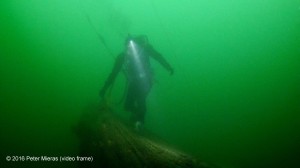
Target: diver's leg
column 141, row 103
column 141, row 109
column 129, row 101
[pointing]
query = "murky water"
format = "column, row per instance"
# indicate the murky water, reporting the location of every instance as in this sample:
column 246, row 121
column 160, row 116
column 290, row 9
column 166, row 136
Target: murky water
column 234, row 99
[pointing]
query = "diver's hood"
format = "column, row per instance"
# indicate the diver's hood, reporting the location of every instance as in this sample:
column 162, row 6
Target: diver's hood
column 141, row 40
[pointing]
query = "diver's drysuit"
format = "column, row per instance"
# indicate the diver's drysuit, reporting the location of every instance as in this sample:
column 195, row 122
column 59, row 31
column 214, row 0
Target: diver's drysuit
column 136, row 64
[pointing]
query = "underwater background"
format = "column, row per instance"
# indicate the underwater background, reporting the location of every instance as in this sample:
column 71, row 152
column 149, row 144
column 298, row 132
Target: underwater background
column 234, row 99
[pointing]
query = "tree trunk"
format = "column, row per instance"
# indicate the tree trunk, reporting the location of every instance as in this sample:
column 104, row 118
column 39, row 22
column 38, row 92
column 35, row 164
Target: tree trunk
column 114, row 144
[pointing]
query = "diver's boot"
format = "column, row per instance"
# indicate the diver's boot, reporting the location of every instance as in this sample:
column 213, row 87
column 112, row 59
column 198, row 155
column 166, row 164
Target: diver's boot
column 138, row 126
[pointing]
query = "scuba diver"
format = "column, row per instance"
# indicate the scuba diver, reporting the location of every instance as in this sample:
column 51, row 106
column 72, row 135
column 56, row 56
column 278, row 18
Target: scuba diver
column 135, row 61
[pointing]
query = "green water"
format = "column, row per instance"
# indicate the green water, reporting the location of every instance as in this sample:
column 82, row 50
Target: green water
column 234, row 99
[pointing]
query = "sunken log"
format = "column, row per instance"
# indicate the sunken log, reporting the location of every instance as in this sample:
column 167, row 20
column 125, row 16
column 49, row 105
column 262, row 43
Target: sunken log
column 113, row 144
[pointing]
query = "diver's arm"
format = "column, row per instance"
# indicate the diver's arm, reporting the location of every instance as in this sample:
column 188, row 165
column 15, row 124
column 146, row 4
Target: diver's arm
column 158, row 57
column 112, row 76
